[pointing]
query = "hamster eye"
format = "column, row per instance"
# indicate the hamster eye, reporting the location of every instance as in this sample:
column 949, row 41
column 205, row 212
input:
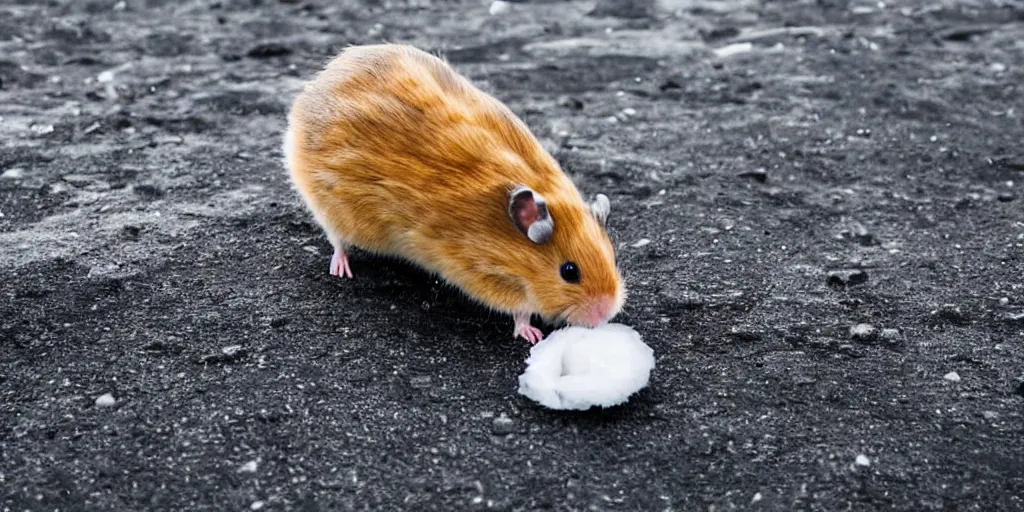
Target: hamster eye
column 570, row 273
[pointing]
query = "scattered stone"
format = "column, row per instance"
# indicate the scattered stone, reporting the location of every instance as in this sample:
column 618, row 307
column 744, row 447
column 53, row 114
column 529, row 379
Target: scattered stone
column 228, row 354
column 570, row 103
column 13, row 173
column 760, row 175
column 719, row 33
column 669, row 84
column 857, row 232
column 891, row 335
column 1006, row 197
column 502, row 425
column 256, row 505
column 77, row 180
column 757, row 497
column 990, row 415
column 312, row 249
column 1015, row 318
column 105, row 77
column 420, row 381
column 42, row 129
column 249, row 467
column 949, row 314
column 499, row 7
column 629, row 112
column 268, row 50
column 863, row 332
column 106, row 400
column 952, row 377
column 844, row 278
column 640, row 243
column 733, row 49
column 1003, row 301
column 147, row 191
column 862, row 460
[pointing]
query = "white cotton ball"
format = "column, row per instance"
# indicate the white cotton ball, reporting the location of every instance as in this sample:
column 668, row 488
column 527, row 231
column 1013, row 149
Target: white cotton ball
column 578, row 368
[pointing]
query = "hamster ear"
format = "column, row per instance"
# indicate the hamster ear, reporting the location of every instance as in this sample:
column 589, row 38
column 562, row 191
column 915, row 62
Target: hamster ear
column 529, row 214
column 600, row 207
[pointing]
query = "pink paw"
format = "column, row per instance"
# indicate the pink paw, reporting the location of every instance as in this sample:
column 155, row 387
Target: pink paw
column 339, row 264
column 527, row 331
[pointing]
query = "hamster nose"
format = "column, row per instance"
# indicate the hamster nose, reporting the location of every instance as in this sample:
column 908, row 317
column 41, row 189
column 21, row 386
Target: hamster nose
column 600, row 311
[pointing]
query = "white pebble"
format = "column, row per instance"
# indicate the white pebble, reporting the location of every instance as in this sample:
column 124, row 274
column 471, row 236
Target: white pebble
column 862, row 460
column 629, row 111
column 952, row 377
column 17, row 172
column 231, row 350
column 640, row 243
column 249, row 467
column 106, row 76
column 106, row 400
column 256, row 505
column 499, row 7
column 42, row 129
column 733, row 49
column 757, row 497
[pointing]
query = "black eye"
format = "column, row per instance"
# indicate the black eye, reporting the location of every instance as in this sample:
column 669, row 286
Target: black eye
column 570, row 273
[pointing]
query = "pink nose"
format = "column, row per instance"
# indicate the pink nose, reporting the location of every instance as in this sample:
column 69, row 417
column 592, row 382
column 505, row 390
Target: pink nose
column 600, row 311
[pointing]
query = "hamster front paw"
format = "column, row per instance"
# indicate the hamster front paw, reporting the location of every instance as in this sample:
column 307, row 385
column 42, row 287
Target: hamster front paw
column 525, row 330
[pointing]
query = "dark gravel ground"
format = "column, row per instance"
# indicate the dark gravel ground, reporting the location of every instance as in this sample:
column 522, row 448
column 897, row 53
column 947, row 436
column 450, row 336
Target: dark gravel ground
column 858, row 163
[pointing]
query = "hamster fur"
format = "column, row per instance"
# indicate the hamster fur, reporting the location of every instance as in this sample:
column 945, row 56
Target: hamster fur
column 395, row 153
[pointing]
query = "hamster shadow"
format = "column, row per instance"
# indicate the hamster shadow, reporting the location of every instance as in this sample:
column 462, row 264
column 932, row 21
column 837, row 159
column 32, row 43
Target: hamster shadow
column 394, row 280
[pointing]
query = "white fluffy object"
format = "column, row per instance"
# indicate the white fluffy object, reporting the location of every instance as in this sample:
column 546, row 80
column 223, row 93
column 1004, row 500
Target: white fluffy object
column 577, row 368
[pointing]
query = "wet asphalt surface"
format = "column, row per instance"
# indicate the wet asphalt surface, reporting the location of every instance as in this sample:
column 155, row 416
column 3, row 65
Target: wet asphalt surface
column 817, row 204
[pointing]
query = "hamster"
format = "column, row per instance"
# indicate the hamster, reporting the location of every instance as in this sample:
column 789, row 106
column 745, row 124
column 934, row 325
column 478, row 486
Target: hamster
column 394, row 152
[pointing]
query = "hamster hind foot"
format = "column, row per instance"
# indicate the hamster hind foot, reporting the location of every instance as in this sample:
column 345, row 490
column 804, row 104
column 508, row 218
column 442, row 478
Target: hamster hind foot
column 527, row 331
column 339, row 264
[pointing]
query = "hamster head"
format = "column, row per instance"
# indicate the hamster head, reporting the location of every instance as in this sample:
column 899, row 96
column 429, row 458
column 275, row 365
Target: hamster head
column 568, row 268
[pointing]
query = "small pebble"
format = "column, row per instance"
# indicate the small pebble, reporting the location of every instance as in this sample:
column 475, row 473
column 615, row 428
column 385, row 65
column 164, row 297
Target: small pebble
column 863, row 332
column 256, row 505
column 106, row 400
column 952, row 377
column 863, row 460
column 629, row 112
column 890, row 335
column 733, row 49
column 990, row 415
column 106, row 76
column 640, row 243
column 499, row 7
column 13, row 173
column 757, row 497
column 843, row 278
column 312, row 249
column 249, row 467
column 759, row 174
column 42, row 129
column 231, row 350
column 503, row 425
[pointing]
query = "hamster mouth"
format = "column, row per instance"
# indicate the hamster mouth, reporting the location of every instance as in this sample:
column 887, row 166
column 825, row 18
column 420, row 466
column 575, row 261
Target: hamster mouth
column 592, row 313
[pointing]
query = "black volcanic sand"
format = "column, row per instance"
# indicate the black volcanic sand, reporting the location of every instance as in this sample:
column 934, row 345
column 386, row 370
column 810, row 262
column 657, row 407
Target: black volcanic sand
column 852, row 165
